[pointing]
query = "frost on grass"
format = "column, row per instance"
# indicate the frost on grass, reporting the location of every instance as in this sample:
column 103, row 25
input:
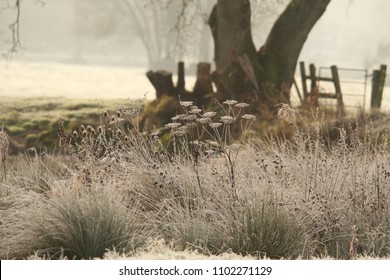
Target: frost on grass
column 209, row 195
column 4, row 145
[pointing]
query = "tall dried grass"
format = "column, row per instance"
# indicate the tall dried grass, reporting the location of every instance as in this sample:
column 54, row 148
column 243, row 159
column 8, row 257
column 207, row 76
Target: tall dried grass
column 210, row 191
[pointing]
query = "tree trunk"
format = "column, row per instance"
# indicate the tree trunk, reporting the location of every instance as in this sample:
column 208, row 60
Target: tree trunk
column 203, row 89
column 162, row 82
column 281, row 51
column 231, row 30
column 261, row 77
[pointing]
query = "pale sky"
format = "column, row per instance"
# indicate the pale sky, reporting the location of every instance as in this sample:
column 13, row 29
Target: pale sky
column 349, row 34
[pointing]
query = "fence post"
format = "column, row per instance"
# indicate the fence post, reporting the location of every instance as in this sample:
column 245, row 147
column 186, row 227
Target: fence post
column 180, row 77
column 303, row 76
column 313, row 78
column 337, row 87
column 378, row 83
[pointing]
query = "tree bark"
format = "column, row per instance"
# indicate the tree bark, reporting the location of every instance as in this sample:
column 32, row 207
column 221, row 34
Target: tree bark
column 203, row 89
column 281, row 51
column 262, row 77
column 231, row 29
column 162, row 82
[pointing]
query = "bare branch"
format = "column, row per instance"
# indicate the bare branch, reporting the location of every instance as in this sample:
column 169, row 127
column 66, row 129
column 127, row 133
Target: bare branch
column 14, row 26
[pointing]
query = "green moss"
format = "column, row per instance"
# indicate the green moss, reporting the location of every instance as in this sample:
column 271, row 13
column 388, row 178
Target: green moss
column 160, row 112
column 33, row 121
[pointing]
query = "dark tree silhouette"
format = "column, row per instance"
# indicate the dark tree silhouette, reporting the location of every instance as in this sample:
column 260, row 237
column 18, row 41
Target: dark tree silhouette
column 262, row 76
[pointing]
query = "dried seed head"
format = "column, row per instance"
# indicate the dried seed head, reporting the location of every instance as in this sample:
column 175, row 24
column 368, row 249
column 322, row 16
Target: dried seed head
column 126, row 138
column 118, row 114
column 155, row 133
column 241, row 105
column 248, row 117
column 177, row 117
column 195, row 111
column 75, row 134
column 84, row 134
column 212, row 143
column 119, row 132
column 191, row 124
column 186, row 103
column 230, row 102
column 203, row 120
column 182, row 131
column 116, row 120
column 227, row 119
column 105, row 114
column 82, row 128
column 209, row 114
column 173, row 125
column 215, row 125
column 100, row 129
column 89, row 128
column 190, row 118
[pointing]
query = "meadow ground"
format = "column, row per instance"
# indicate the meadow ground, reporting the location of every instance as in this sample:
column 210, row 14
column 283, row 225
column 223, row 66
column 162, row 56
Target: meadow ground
column 117, row 193
column 318, row 190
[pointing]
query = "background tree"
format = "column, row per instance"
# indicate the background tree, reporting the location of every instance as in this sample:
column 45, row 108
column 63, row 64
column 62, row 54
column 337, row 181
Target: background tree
column 12, row 11
column 264, row 76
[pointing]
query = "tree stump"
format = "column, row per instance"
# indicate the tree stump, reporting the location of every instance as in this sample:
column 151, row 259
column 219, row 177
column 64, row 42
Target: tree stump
column 181, row 78
column 203, row 89
column 162, row 82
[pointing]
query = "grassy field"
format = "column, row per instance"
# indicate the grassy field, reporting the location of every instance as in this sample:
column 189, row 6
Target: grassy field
column 117, row 193
column 32, row 122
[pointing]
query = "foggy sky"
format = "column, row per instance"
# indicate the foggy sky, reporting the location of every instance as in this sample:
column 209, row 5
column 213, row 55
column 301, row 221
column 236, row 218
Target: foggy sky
column 349, row 34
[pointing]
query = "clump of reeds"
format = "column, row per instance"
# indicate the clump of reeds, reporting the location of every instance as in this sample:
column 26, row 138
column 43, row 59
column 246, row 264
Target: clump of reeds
column 75, row 223
column 197, row 184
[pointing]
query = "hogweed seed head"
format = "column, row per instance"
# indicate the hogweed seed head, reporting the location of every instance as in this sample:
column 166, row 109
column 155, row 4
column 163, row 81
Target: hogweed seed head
column 156, row 133
column 173, row 125
column 191, row 124
column 209, row 114
column 212, row 143
column 248, row 117
column 241, row 105
column 195, row 111
column 177, row 117
column 215, row 125
column 180, row 133
column 190, row 118
column 227, row 119
column 203, row 120
column 230, row 102
column 186, row 103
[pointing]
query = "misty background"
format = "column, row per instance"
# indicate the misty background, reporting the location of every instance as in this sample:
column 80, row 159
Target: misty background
column 62, row 37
